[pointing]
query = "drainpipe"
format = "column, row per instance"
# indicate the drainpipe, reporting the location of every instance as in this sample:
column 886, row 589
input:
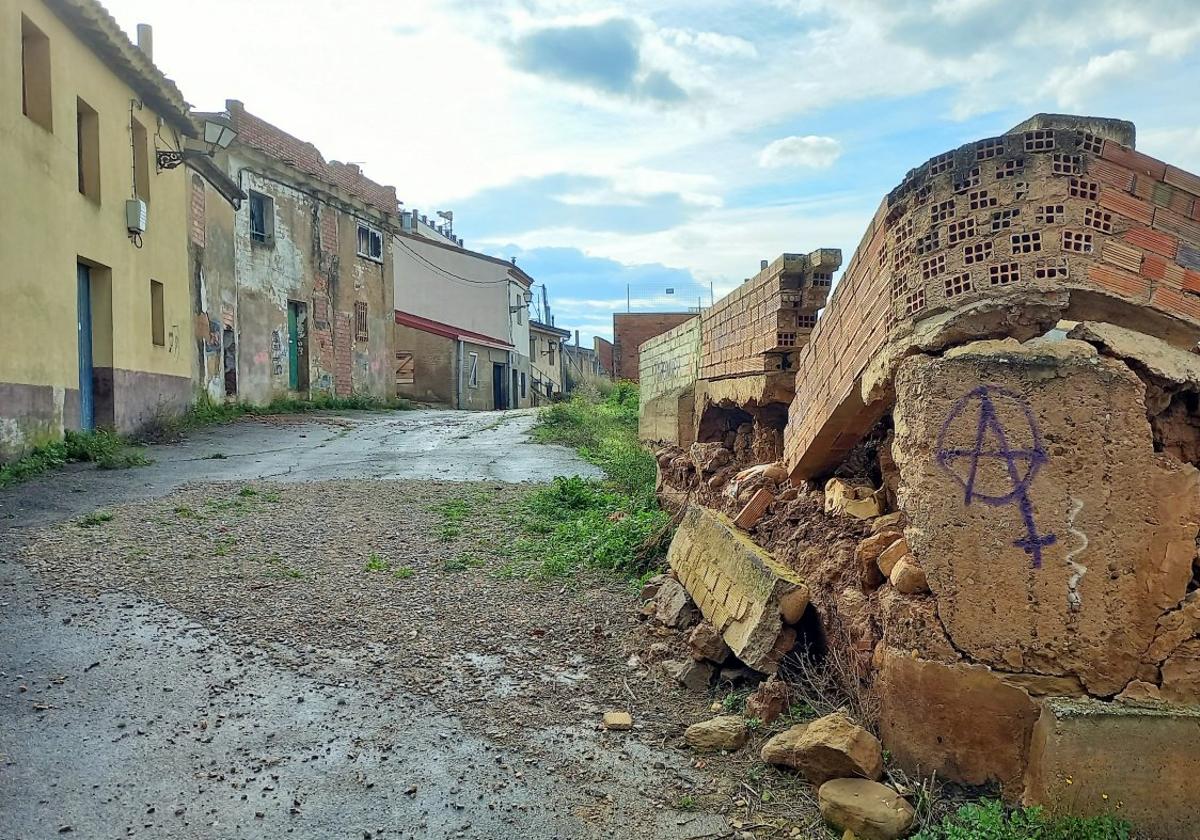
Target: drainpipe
column 458, row 385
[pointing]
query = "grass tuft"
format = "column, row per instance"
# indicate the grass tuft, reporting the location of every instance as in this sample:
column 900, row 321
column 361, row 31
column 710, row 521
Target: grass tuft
column 577, row 523
column 103, row 447
column 992, row 820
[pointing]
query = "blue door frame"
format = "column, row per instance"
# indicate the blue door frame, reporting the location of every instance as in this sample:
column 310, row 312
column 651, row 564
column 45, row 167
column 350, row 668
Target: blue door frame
column 87, row 400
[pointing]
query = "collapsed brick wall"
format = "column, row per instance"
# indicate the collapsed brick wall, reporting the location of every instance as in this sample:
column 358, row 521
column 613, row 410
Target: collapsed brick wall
column 667, row 369
column 1027, row 615
column 1052, row 221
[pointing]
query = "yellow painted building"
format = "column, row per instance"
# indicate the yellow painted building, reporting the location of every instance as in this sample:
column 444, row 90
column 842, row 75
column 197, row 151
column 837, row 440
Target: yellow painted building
column 95, row 321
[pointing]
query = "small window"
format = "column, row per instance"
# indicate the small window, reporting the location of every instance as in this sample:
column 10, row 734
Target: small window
column 520, row 314
column 141, row 161
column 473, row 377
column 360, row 320
column 262, row 218
column 522, row 385
column 370, row 243
column 158, row 321
column 87, row 149
column 405, row 369
column 550, row 346
column 35, row 75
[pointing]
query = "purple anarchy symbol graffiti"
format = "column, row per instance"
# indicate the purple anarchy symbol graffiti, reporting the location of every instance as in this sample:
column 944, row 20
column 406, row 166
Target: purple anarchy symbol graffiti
column 994, row 471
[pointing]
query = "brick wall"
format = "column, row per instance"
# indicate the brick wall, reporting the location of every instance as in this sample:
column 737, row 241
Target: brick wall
column 631, row 330
column 670, row 361
column 604, row 352
column 1020, row 217
column 754, row 327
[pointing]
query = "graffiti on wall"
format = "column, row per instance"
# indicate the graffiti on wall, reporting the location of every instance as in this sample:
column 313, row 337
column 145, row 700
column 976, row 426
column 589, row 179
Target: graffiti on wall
column 998, row 464
column 277, row 352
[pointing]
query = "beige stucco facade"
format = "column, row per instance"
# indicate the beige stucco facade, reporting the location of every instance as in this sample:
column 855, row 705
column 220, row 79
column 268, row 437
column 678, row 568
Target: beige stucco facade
column 547, row 361
column 472, row 297
column 49, row 228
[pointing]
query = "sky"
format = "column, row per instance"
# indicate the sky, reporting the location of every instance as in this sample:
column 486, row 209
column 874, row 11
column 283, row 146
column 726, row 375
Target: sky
column 618, row 150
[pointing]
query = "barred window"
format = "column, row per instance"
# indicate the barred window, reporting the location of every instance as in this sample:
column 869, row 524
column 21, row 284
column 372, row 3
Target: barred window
column 360, row 320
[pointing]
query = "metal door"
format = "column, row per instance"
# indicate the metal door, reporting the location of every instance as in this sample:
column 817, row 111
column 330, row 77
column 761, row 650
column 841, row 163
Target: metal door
column 499, row 401
column 87, row 398
column 293, row 349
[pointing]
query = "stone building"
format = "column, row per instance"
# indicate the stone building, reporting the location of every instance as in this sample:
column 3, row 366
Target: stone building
column 292, row 291
column 462, row 332
column 95, row 318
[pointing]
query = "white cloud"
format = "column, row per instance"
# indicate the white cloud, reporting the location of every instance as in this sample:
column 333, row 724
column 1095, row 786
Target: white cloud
column 713, row 43
column 808, row 151
column 1071, row 87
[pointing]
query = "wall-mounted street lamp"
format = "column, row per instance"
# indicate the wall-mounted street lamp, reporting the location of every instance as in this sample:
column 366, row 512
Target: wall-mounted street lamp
column 218, row 134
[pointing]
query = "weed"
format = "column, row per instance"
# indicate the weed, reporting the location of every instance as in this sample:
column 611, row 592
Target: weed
column 754, row 724
column 206, row 412
column 103, row 447
column 992, row 820
column 576, row 523
column 462, row 562
column 223, row 546
column 185, row 512
column 295, row 574
column 95, row 518
column 453, row 513
column 375, row 563
column 405, row 572
column 687, row 802
column 734, row 703
column 216, row 456
column 247, row 491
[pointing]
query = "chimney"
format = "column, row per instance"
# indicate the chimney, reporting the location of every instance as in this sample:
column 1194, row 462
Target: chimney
column 576, row 338
column 514, row 260
column 145, row 39
column 762, row 265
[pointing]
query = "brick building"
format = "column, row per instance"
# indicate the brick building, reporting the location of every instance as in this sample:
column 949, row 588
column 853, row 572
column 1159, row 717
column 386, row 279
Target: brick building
column 631, row 330
column 293, row 290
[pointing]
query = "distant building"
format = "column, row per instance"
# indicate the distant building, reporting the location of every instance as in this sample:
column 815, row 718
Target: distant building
column 95, row 314
column 547, row 360
column 461, row 325
column 604, row 355
column 631, row 329
column 581, row 365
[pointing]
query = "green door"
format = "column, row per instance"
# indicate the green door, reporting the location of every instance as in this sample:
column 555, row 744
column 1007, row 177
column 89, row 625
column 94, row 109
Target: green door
column 293, row 348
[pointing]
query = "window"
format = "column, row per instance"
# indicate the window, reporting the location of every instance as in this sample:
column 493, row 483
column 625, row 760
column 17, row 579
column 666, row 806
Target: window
column 520, row 312
column 141, row 161
column 262, row 218
column 522, row 384
column 360, row 320
column 158, row 329
column 370, row 243
column 550, row 347
column 35, row 75
column 405, row 369
column 473, row 377
column 87, row 149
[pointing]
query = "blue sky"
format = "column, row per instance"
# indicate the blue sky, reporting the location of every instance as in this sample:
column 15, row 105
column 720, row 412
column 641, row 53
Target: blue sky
column 623, row 149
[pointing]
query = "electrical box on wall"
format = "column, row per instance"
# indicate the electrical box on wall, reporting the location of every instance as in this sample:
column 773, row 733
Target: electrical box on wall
column 135, row 215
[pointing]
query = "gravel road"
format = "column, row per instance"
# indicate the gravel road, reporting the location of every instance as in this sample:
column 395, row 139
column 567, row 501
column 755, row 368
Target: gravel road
column 309, row 636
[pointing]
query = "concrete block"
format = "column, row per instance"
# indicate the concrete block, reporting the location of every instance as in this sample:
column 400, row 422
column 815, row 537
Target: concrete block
column 1139, row 762
column 756, row 587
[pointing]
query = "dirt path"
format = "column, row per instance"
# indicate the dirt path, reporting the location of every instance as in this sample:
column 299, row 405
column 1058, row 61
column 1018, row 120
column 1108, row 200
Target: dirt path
column 310, row 637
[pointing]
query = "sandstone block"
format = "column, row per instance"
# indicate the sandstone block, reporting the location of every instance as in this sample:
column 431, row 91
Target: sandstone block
column 706, row 643
column 692, row 675
column 673, row 606
column 1143, row 757
column 960, row 721
column 889, row 556
column 894, row 521
column 727, row 732
column 618, row 721
column 768, row 701
column 908, row 577
column 866, row 555
column 831, row 747
column 737, row 585
column 868, row 809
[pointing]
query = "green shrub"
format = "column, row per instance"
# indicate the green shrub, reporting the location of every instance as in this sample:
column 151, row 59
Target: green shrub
column 992, row 820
